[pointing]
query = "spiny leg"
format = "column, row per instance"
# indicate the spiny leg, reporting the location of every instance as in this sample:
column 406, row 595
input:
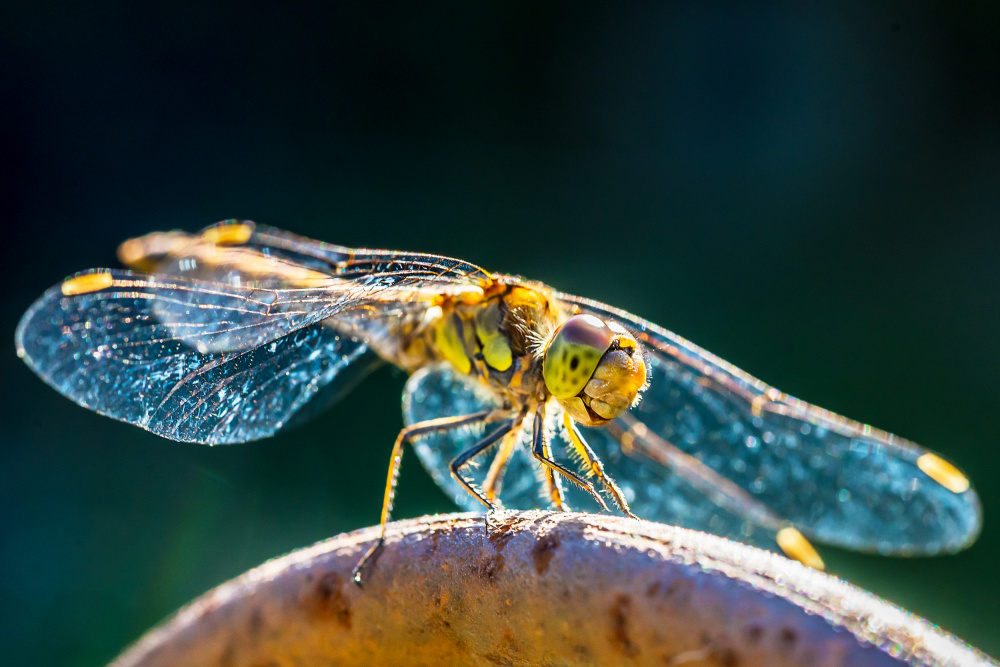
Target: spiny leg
column 595, row 465
column 539, row 450
column 553, row 483
column 494, row 476
column 465, row 457
column 554, row 486
column 408, row 432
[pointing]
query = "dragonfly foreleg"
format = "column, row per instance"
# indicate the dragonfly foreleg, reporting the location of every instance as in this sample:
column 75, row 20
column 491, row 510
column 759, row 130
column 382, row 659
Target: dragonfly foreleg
column 595, row 465
column 540, row 450
column 405, row 435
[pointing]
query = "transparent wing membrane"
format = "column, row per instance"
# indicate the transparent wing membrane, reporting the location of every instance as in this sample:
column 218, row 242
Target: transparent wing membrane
column 352, row 262
column 241, row 251
column 839, row 481
column 186, row 360
column 233, row 332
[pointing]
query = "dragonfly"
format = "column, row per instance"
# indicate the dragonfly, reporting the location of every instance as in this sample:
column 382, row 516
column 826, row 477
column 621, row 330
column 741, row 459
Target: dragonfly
column 234, row 333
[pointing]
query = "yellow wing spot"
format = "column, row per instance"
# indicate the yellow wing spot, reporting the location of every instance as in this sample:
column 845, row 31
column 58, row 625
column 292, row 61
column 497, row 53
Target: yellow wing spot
column 143, row 252
column 132, row 252
column 797, row 547
column 89, row 282
column 943, row 473
column 757, row 405
column 237, row 234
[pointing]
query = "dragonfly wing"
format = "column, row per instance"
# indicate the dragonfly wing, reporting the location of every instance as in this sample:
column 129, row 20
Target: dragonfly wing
column 355, row 262
column 242, row 252
column 190, row 361
column 653, row 490
column 389, row 291
column 839, row 481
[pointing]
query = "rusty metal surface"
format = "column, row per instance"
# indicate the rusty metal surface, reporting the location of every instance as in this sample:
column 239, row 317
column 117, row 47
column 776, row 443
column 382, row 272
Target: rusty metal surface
column 541, row 588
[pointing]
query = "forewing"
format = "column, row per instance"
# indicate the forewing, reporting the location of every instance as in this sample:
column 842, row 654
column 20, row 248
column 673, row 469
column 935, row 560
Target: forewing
column 187, row 360
column 838, row 481
column 357, row 263
column 388, row 291
column 241, row 252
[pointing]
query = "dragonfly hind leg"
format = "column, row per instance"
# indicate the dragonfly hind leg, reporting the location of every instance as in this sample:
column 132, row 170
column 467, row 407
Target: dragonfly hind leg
column 405, row 435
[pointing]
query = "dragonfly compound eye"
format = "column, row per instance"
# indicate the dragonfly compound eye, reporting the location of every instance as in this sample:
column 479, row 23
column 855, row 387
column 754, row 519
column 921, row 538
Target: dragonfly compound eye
column 593, row 368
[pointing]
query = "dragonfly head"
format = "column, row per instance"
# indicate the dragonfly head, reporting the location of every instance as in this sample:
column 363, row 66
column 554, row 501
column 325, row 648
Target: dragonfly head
column 594, row 368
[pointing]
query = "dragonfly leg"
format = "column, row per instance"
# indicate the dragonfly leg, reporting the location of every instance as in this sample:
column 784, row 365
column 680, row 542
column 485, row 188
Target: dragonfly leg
column 408, row 432
column 474, row 451
column 494, row 476
column 540, row 450
column 554, row 487
column 595, row 465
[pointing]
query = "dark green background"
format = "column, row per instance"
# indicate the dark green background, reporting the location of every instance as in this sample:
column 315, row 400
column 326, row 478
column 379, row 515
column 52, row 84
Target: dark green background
column 812, row 193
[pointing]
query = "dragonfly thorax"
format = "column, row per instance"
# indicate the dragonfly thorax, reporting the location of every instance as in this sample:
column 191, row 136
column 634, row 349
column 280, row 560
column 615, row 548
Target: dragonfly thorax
column 514, row 343
column 496, row 339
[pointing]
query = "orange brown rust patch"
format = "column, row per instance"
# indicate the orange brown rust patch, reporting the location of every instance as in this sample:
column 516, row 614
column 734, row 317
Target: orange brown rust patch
column 325, row 598
column 619, row 626
column 725, row 657
column 787, row 639
column 256, row 624
column 491, row 566
column 543, row 551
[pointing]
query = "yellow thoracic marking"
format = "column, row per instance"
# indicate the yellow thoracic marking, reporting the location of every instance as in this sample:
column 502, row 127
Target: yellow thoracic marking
column 497, row 353
column 943, row 473
column 797, row 547
column 496, row 350
column 449, row 344
column 237, row 234
column 522, row 297
column 89, row 282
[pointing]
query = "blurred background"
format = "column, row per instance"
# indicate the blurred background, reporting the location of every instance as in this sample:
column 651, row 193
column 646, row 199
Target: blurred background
column 811, row 192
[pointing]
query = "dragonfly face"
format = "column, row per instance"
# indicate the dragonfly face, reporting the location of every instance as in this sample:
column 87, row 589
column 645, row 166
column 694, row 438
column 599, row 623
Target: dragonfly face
column 227, row 334
column 593, row 368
